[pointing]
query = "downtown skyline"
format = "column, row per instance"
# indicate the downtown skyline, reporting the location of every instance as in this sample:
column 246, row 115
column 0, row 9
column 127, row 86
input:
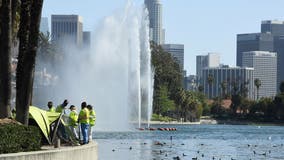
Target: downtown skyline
column 201, row 26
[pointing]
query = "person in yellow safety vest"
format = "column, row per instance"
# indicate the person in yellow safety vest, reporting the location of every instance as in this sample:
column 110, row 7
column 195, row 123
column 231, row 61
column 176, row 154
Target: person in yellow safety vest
column 62, row 106
column 73, row 120
column 61, row 109
column 84, row 116
column 92, row 121
column 50, row 107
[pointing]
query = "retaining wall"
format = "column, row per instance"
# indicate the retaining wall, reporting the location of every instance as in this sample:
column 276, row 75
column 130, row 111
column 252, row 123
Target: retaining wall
column 84, row 152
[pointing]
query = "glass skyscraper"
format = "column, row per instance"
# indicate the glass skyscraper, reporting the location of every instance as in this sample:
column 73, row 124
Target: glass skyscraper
column 157, row 33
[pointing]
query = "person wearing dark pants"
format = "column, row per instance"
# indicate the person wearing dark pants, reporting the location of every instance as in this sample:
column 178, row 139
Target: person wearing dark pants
column 84, row 116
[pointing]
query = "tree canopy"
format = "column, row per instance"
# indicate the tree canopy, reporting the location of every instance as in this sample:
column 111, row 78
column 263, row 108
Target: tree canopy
column 170, row 99
column 167, row 79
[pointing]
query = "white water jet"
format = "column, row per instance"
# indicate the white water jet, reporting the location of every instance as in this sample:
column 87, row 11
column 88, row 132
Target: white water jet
column 146, row 70
column 116, row 75
column 150, row 97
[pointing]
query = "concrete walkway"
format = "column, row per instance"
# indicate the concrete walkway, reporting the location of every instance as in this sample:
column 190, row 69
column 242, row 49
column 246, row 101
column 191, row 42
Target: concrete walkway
column 84, row 152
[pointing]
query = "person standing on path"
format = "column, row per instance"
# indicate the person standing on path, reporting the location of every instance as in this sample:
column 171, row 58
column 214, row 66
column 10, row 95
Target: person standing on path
column 92, row 121
column 84, row 116
column 73, row 120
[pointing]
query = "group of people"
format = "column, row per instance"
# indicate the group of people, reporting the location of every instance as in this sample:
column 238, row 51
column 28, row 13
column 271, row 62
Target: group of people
column 85, row 119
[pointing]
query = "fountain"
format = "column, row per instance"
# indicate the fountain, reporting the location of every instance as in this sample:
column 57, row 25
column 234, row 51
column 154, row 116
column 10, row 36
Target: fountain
column 116, row 75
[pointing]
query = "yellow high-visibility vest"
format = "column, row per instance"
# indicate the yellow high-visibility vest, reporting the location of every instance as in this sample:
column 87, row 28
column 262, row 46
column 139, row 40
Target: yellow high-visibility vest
column 59, row 108
column 84, row 116
column 92, row 117
column 73, row 118
column 52, row 109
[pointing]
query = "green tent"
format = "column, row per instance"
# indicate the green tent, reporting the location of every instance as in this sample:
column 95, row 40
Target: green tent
column 44, row 119
column 50, row 123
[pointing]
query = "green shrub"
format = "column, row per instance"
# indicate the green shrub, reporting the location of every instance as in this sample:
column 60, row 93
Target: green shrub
column 19, row 138
column 206, row 110
column 156, row 117
column 199, row 111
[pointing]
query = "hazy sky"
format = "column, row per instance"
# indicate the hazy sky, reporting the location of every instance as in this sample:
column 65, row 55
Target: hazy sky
column 201, row 25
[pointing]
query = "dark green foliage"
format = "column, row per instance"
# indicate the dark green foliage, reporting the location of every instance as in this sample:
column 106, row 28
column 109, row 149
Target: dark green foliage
column 170, row 99
column 206, row 110
column 262, row 110
column 19, row 138
column 192, row 104
column 167, row 71
column 168, row 79
column 282, row 87
column 163, row 104
column 279, row 106
column 200, row 88
column 236, row 102
column 257, row 84
column 156, row 117
column 210, row 81
column 199, row 111
column 258, row 110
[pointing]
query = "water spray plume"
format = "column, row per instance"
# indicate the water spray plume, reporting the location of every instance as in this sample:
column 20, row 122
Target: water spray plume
column 116, row 75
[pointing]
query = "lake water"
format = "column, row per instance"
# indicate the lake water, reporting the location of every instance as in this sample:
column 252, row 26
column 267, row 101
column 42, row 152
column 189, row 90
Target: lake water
column 206, row 142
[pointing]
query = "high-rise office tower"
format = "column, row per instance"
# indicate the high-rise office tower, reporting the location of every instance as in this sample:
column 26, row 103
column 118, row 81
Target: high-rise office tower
column 279, row 49
column 44, row 25
column 270, row 39
column 156, row 24
column 67, row 28
column 274, row 27
column 265, row 69
column 231, row 76
column 253, row 42
column 177, row 51
column 203, row 61
column 213, row 60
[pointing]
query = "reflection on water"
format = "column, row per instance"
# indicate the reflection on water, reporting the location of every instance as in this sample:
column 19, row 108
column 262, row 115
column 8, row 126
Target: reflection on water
column 191, row 141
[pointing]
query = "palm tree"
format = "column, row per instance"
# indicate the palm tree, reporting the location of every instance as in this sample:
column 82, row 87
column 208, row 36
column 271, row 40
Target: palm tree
column 45, row 48
column 210, row 80
column 244, row 89
column 46, row 53
column 179, row 99
column 257, row 84
column 28, row 35
column 186, row 106
column 5, row 57
column 190, row 106
column 224, row 88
